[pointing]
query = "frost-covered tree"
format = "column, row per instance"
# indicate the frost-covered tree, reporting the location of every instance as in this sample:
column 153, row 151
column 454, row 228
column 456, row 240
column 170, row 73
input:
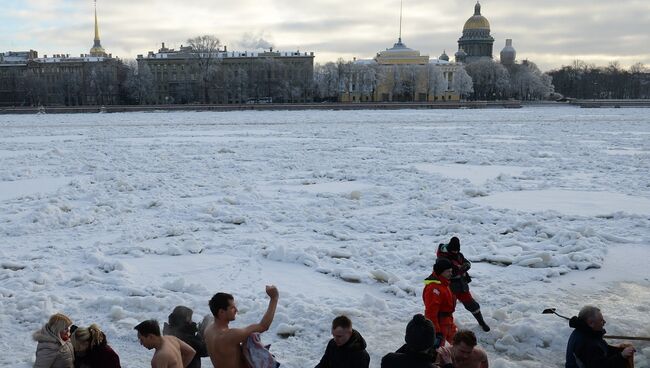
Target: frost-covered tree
column 326, row 80
column 365, row 78
column 139, row 84
column 491, row 81
column 436, row 82
column 409, row 75
column 527, row 82
column 462, row 83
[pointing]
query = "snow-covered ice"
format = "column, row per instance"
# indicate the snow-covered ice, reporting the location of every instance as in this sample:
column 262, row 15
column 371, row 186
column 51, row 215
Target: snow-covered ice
column 117, row 218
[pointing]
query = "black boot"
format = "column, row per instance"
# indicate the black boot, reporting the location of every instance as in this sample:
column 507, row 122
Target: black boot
column 481, row 321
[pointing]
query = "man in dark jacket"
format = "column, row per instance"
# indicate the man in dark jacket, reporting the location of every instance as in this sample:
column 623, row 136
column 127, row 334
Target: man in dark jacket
column 588, row 349
column 180, row 325
column 419, row 350
column 459, row 281
column 346, row 349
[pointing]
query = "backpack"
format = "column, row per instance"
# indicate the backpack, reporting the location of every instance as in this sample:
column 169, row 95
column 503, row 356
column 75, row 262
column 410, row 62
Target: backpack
column 258, row 355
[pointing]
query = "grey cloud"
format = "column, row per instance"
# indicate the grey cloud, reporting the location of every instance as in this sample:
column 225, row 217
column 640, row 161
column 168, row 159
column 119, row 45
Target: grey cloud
column 552, row 31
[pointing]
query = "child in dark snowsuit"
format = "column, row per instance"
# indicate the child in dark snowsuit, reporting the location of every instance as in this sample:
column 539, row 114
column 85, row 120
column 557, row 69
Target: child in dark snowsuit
column 459, row 282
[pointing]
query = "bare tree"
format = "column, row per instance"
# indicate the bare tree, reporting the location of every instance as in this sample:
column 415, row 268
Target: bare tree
column 139, row 83
column 206, row 51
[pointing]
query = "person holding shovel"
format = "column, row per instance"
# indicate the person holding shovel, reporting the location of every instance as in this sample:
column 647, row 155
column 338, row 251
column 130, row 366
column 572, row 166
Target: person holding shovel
column 587, row 347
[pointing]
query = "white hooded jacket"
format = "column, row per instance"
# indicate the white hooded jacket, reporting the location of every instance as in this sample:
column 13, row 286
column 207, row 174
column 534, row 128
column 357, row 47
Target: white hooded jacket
column 51, row 351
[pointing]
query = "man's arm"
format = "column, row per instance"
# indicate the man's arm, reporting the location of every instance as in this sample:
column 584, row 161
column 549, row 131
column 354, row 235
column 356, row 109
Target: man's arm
column 187, row 353
column 45, row 357
column 325, row 360
column 241, row 334
column 593, row 356
column 432, row 306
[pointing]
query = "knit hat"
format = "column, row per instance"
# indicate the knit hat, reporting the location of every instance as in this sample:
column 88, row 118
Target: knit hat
column 441, row 265
column 454, row 245
column 420, row 333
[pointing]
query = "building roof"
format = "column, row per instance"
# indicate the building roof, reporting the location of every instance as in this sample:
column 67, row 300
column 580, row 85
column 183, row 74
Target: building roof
column 401, row 54
column 477, row 21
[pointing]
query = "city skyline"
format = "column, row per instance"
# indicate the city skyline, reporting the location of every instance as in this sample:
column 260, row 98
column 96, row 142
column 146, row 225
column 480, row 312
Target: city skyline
column 551, row 35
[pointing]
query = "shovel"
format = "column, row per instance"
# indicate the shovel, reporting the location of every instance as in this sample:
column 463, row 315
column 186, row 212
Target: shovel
column 552, row 311
column 640, row 338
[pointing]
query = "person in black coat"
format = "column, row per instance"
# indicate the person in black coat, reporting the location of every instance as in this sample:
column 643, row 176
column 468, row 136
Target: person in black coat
column 587, row 348
column 419, row 350
column 346, row 349
column 180, row 325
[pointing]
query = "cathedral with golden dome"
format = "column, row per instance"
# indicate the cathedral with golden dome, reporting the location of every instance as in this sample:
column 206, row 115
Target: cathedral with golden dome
column 476, row 42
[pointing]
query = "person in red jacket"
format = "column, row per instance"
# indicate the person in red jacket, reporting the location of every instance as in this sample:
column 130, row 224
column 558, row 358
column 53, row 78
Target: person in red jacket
column 439, row 302
column 459, row 281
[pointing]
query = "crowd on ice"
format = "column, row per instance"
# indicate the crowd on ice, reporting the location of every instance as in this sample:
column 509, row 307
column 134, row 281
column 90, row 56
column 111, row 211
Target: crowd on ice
column 431, row 340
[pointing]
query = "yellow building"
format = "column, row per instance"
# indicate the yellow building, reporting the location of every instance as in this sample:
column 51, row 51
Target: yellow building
column 399, row 74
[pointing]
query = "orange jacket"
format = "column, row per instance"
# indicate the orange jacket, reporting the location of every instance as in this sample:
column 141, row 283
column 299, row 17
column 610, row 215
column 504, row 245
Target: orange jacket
column 439, row 302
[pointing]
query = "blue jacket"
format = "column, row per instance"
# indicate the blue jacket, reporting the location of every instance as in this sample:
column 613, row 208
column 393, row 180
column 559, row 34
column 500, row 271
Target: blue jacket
column 588, row 349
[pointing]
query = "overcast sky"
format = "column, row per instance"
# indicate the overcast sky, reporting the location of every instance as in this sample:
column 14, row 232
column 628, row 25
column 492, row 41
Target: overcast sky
column 549, row 32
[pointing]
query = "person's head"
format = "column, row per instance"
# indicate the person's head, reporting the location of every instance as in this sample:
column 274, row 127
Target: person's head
column 341, row 330
column 443, row 268
column 463, row 344
column 454, row 245
column 593, row 317
column 223, row 307
column 148, row 333
column 181, row 315
column 85, row 338
column 420, row 333
column 60, row 324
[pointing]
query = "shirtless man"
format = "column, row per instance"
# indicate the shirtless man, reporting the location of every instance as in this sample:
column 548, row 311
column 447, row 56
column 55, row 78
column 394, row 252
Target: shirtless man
column 170, row 351
column 463, row 352
column 223, row 342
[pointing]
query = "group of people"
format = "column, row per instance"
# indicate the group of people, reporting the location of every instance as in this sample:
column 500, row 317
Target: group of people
column 347, row 348
column 64, row 345
column 431, row 340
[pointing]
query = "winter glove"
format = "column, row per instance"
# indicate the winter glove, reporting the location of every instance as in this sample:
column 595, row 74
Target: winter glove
column 465, row 267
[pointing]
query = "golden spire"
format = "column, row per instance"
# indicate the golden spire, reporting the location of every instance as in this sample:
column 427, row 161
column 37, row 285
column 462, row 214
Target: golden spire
column 96, row 25
column 97, row 49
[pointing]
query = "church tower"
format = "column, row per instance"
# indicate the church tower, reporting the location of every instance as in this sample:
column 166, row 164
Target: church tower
column 476, row 41
column 97, row 49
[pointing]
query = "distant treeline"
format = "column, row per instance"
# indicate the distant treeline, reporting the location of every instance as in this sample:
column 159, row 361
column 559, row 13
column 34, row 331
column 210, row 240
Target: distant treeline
column 587, row 81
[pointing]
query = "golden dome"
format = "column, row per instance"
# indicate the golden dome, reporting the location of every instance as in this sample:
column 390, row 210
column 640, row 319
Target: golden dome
column 477, row 21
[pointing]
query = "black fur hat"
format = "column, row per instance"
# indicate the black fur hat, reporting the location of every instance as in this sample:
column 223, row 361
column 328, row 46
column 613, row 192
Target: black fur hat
column 454, row 244
column 441, row 265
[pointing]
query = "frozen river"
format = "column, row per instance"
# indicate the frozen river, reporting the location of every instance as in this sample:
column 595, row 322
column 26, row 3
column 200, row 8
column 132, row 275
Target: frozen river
column 117, row 218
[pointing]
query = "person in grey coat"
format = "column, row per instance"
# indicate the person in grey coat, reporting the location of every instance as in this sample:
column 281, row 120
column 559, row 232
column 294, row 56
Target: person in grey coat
column 54, row 349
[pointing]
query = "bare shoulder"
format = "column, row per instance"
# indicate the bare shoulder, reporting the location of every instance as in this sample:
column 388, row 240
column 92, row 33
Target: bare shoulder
column 480, row 354
column 172, row 340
